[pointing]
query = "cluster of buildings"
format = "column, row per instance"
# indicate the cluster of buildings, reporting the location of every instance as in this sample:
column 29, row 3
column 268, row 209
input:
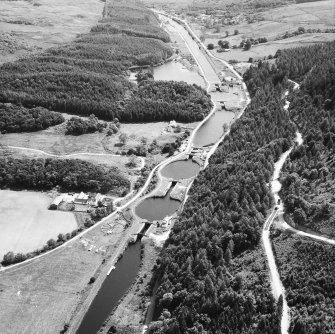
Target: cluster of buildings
column 219, row 17
column 91, row 199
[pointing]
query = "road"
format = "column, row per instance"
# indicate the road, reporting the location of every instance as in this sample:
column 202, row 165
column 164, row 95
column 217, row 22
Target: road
column 210, row 77
column 276, row 283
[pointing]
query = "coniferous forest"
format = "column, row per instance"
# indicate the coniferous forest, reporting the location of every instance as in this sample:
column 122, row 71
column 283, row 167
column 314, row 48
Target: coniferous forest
column 308, row 180
column 210, row 272
column 89, row 75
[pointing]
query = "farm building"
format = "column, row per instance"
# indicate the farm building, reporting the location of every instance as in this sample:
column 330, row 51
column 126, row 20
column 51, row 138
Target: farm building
column 94, row 200
column 82, row 198
column 55, row 203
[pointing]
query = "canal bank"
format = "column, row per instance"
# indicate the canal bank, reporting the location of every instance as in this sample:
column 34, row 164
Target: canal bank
column 170, row 169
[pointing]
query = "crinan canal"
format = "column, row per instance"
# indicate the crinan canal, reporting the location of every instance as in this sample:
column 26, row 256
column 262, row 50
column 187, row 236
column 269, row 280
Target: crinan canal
column 112, row 289
column 210, row 132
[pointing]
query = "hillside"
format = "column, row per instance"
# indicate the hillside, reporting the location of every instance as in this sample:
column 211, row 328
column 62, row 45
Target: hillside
column 89, row 75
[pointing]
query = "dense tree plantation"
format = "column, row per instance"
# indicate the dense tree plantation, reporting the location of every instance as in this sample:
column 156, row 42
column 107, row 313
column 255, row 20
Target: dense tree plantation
column 133, row 19
column 63, row 64
column 68, row 174
column 90, row 74
column 15, row 118
column 307, row 271
column 212, row 272
column 166, row 100
column 309, row 176
column 127, row 49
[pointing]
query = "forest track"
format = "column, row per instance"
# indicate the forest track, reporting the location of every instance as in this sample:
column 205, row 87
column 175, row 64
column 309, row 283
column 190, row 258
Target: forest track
column 61, row 155
column 318, row 237
column 276, row 283
column 278, row 211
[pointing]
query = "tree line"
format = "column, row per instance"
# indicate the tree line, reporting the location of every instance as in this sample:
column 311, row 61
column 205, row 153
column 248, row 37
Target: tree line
column 67, row 174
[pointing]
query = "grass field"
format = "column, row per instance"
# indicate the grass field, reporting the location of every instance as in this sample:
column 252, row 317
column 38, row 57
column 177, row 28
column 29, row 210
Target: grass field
column 30, row 26
column 41, row 297
column 54, row 141
column 109, row 160
column 27, row 224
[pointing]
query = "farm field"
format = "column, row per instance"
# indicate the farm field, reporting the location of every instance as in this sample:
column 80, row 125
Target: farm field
column 30, row 26
column 45, row 294
column 271, row 24
column 263, row 50
column 27, row 224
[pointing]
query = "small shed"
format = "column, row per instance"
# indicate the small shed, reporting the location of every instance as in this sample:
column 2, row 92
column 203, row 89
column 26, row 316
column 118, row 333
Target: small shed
column 173, row 124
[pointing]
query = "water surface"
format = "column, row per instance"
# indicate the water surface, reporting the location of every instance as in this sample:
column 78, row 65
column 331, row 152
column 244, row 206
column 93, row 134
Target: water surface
column 113, row 288
column 157, row 208
column 212, row 130
column 182, row 169
column 178, row 72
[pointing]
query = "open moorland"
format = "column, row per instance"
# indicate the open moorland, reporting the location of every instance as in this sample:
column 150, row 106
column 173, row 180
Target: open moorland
column 30, row 26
